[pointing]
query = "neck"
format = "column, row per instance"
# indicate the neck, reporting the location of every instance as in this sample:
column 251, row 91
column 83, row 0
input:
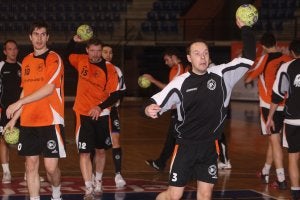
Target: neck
column 38, row 52
column 10, row 60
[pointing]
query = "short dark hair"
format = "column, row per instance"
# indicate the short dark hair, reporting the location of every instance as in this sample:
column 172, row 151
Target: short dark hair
column 295, row 46
column 171, row 52
column 9, row 41
column 39, row 24
column 188, row 48
column 94, row 41
column 268, row 40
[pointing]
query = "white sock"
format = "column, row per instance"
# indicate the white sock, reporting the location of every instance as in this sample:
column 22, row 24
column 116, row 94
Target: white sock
column 266, row 169
column 98, row 176
column 56, row 193
column 280, row 174
column 295, row 188
column 5, row 168
column 35, row 198
column 88, row 187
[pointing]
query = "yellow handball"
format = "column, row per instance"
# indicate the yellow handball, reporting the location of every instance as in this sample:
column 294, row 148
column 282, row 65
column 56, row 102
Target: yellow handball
column 11, row 136
column 247, row 14
column 85, row 32
column 143, row 82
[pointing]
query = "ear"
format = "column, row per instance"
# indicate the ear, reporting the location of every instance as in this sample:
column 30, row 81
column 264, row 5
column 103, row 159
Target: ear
column 189, row 58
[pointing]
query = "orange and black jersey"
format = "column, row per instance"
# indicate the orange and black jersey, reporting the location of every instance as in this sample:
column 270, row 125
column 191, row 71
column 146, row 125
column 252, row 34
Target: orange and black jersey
column 96, row 81
column 37, row 71
column 266, row 67
column 175, row 71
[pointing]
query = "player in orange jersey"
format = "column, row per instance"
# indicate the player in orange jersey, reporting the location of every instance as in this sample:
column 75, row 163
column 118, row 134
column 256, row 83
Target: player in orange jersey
column 97, row 80
column 173, row 61
column 265, row 68
column 41, row 112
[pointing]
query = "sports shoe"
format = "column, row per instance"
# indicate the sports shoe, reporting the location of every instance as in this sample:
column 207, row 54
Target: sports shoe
column 60, row 198
column 295, row 194
column 97, row 186
column 6, row 178
column 264, row 177
column 89, row 196
column 226, row 165
column 280, row 185
column 120, row 182
column 152, row 164
column 41, row 178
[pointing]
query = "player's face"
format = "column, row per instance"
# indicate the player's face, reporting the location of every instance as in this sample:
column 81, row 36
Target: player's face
column 168, row 60
column 39, row 38
column 94, row 52
column 11, row 52
column 107, row 53
column 199, row 57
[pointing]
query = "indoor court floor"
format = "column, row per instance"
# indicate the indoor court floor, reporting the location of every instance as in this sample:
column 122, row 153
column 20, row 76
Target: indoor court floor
column 142, row 139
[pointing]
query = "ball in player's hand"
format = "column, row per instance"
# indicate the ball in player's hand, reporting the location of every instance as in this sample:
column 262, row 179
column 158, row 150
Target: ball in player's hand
column 247, row 14
column 11, row 135
column 143, row 82
column 85, row 32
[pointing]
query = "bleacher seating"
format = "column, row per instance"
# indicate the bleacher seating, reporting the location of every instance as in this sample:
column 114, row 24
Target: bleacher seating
column 164, row 15
column 273, row 14
column 61, row 15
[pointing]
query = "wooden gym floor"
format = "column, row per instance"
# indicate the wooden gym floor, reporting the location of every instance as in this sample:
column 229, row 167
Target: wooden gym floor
column 142, row 139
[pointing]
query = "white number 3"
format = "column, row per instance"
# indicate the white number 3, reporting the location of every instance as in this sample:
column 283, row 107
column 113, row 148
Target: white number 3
column 174, row 177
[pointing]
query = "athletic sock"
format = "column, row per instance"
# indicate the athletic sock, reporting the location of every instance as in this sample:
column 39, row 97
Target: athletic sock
column 56, row 193
column 266, row 169
column 5, row 168
column 35, row 198
column 117, row 158
column 98, row 176
column 280, row 174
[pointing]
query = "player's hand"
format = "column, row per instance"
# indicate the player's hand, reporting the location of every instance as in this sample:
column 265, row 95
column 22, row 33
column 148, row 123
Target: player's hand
column 149, row 77
column 77, row 38
column 239, row 22
column 11, row 124
column 95, row 112
column 152, row 110
column 270, row 125
column 12, row 108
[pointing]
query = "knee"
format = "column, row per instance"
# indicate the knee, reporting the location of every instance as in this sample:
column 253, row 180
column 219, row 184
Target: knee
column 174, row 195
column 203, row 195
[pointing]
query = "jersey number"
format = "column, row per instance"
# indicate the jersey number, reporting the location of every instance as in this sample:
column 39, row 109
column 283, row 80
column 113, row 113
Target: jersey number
column 174, row 177
column 82, row 145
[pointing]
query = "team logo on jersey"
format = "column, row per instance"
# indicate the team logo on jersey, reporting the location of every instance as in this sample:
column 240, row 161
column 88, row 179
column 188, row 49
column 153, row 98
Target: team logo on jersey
column 297, row 81
column 40, row 67
column 212, row 170
column 51, row 144
column 97, row 74
column 211, row 84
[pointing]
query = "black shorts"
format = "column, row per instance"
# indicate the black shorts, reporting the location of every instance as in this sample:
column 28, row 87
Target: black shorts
column 48, row 141
column 4, row 121
column 194, row 161
column 92, row 134
column 278, row 120
column 292, row 134
column 115, row 120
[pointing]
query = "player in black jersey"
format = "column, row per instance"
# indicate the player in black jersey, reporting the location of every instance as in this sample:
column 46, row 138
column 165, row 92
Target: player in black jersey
column 201, row 97
column 287, row 86
column 10, row 90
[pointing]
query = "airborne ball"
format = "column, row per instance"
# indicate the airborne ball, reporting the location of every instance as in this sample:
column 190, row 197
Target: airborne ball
column 85, row 32
column 248, row 14
column 143, row 82
column 11, row 136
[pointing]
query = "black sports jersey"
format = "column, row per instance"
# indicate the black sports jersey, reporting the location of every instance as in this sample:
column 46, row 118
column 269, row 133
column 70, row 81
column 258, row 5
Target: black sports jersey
column 287, row 83
column 10, row 81
column 202, row 100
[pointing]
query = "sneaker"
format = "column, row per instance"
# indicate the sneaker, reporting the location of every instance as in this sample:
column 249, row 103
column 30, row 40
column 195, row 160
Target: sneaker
column 280, row 185
column 226, row 165
column 60, row 198
column 97, row 186
column 152, row 164
column 295, row 194
column 120, row 182
column 41, row 178
column 89, row 196
column 264, row 177
column 6, row 178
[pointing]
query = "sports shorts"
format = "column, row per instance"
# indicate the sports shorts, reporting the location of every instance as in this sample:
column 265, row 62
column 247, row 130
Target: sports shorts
column 47, row 141
column 92, row 134
column 292, row 135
column 278, row 120
column 194, row 161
